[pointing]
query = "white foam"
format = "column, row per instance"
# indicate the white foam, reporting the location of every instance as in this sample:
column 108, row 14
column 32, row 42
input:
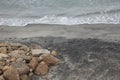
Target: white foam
column 93, row 19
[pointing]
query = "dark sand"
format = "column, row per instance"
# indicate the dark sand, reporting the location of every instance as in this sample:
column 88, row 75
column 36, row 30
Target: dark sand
column 88, row 52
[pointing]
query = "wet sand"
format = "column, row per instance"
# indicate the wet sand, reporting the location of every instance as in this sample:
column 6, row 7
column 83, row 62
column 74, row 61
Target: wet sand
column 104, row 32
column 88, row 52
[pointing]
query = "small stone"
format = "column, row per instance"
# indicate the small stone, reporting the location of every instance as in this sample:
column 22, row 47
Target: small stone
column 30, row 75
column 11, row 74
column 5, row 68
column 54, row 53
column 19, row 60
column 31, row 70
column 50, row 60
column 42, row 69
column 13, row 59
column 18, row 52
column 37, row 52
column 40, row 58
column 3, row 44
column 33, row 63
column 3, row 50
column 21, row 67
column 24, row 48
column 24, row 77
column 3, row 56
column 1, row 77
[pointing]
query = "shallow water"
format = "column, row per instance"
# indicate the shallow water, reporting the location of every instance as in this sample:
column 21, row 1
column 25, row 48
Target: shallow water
column 67, row 12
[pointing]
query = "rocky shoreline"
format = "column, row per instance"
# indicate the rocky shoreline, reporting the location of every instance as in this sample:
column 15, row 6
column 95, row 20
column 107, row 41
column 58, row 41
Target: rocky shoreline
column 20, row 62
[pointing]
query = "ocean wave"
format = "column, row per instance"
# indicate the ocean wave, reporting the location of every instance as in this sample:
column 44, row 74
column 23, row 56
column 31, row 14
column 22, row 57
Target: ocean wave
column 63, row 20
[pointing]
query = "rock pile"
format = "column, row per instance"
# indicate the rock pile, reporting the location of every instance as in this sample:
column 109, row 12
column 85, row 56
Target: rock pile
column 19, row 62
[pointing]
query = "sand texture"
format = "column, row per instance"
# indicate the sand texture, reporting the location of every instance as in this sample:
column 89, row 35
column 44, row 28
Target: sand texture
column 87, row 52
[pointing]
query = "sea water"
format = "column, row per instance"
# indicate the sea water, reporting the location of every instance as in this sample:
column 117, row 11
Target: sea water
column 61, row 12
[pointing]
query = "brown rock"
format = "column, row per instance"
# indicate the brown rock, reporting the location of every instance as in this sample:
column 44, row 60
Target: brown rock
column 33, row 63
column 24, row 77
column 42, row 69
column 50, row 60
column 15, row 54
column 18, row 52
column 3, row 50
column 54, row 53
column 24, row 48
column 2, row 44
column 11, row 74
column 3, row 56
column 14, row 46
column 1, row 77
column 21, row 67
column 5, row 68
column 13, row 59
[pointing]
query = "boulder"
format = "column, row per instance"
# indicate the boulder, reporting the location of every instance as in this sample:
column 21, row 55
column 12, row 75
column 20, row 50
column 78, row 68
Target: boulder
column 3, row 50
column 24, row 77
column 42, row 69
column 37, row 52
column 21, row 67
column 33, row 63
column 50, row 60
column 11, row 74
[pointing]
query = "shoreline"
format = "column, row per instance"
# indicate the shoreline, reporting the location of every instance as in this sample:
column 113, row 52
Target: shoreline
column 108, row 32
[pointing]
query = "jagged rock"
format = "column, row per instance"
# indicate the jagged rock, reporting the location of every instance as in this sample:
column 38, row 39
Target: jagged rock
column 11, row 74
column 21, row 67
column 37, row 52
column 42, row 69
column 50, row 60
column 24, row 77
column 33, row 63
column 1, row 77
column 54, row 53
column 3, row 56
column 3, row 50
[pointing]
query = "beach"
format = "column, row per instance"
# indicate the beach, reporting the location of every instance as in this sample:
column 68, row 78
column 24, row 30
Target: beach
column 87, row 52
